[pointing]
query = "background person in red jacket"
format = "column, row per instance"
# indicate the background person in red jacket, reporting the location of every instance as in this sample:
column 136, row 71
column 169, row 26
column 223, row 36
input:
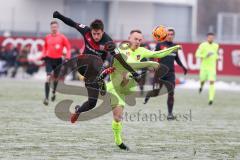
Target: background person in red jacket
column 55, row 42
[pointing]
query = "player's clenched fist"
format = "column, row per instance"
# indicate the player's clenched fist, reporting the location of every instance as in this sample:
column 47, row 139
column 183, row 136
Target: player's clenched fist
column 56, row 14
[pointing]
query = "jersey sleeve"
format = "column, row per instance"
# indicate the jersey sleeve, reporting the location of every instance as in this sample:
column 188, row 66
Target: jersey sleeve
column 107, row 38
column 200, row 51
column 68, row 21
column 82, row 28
column 158, row 54
column 179, row 62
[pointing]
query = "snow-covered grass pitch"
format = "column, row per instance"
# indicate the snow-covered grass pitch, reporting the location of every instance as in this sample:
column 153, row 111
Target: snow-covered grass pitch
column 30, row 130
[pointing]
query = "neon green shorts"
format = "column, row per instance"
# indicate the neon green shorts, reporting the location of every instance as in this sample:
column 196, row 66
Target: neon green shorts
column 207, row 75
column 119, row 93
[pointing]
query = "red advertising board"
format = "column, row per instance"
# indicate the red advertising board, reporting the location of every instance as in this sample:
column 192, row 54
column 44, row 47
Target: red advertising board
column 228, row 63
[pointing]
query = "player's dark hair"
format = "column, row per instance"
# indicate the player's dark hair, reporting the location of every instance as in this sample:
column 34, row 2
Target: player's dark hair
column 171, row 30
column 97, row 24
column 53, row 22
column 135, row 30
column 210, row 34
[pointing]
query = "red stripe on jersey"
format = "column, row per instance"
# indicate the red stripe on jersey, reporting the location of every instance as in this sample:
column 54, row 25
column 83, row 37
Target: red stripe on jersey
column 163, row 47
column 91, row 41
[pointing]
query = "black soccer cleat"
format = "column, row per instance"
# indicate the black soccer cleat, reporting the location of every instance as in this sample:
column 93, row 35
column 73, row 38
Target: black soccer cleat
column 200, row 90
column 123, row 147
column 53, row 97
column 146, row 100
column 45, row 101
column 210, row 103
column 171, row 117
column 74, row 116
column 76, row 108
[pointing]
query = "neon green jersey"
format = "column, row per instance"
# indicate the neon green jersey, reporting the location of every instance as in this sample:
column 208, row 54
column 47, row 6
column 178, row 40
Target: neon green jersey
column 205, row 49
column 133, row 59
column 142, row 52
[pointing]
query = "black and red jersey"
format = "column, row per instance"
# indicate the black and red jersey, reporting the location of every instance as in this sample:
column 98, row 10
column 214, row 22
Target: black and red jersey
column 169, row 59
column 92, row 47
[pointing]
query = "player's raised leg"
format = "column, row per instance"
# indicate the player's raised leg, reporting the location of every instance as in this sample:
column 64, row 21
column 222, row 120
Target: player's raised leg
column 93, row 92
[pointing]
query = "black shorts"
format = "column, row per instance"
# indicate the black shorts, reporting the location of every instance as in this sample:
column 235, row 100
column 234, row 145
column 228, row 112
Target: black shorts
column 89, row 66
column 53, row 65
column 163, row 75
column 167, row 82
column 169, row 77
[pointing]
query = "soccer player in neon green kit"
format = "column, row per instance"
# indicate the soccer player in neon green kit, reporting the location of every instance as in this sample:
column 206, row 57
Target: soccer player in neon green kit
column 121, row 85
column 208, row 53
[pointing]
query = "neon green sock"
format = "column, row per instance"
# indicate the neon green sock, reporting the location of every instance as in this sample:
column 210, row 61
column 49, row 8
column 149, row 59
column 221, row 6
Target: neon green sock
column 117, row 129
column 211, row 92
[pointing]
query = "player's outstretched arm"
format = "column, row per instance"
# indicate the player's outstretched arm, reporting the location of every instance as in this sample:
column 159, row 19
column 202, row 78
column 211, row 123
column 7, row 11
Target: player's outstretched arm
column 125, row 65
column 160, row 54
column 179, row 62
column 110, row 47
column 66, row 20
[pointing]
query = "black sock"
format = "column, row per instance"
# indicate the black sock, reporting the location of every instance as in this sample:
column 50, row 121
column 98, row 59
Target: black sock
column 93, row 91
column 47, row 88
column 55, row 83
column 170, row 102
column 88, row 105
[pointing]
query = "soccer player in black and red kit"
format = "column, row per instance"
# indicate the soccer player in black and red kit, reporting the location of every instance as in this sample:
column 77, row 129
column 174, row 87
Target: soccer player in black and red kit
column 167, row 77
column 97, row 43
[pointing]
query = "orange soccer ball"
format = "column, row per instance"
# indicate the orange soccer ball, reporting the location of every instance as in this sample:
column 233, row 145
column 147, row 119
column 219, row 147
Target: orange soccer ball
column 160, row 33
